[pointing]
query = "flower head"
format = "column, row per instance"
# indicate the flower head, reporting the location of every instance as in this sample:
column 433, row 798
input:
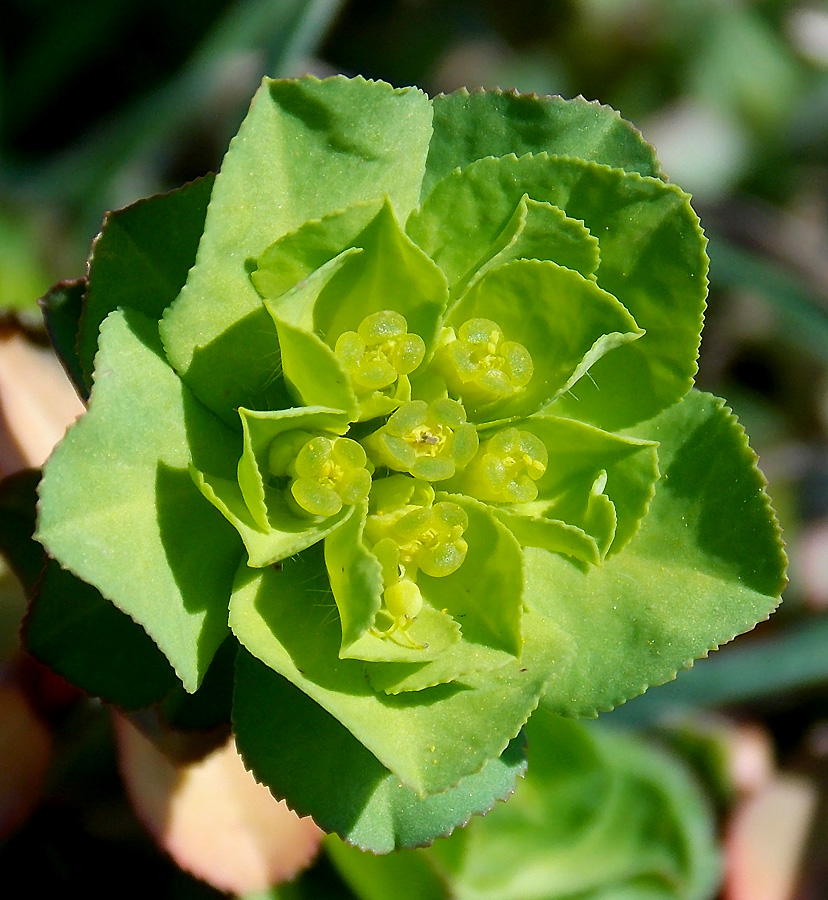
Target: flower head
column 416, row 440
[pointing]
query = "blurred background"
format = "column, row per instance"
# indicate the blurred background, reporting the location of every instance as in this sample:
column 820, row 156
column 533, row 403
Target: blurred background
column 105, row 101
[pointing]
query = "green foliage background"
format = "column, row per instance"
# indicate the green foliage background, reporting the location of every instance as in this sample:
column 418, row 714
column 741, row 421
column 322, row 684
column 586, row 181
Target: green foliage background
column 104, row 102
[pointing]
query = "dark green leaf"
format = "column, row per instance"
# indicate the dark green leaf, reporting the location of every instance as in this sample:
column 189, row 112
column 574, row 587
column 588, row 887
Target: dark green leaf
column 140, row 260
column 62, row 307
column 470, row 126
column 305, row 755
column 69, row 626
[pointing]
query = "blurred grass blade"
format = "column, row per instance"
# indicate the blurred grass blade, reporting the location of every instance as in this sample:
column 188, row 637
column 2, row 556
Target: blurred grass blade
column 803, row 317
column 750, row 671
column 275, row 37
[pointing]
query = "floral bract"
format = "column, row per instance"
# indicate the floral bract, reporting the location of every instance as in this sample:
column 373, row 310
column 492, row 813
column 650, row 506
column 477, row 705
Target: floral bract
column 417, row 435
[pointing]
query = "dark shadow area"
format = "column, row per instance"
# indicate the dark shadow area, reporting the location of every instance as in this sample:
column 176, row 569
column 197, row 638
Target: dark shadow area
column 80, row 634
column 298, row 101
column 202, row 551
column 241, row 367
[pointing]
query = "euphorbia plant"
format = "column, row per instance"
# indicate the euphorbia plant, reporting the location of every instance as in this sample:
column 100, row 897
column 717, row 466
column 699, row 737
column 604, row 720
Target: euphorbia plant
column 414, row 442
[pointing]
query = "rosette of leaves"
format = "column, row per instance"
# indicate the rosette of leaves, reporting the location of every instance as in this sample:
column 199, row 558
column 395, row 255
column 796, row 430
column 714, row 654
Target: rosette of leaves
column 397, row 411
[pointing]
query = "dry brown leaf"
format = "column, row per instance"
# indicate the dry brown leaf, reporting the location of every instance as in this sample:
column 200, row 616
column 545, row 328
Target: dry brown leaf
column 766, row 840
column 25, row 747
column 37, row 402
column 213, row 818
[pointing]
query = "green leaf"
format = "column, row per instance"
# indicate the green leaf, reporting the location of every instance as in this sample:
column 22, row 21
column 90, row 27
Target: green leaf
column 467, row 227
column 140, row 260
column 652, row 260
column 578, row 455
column 468, row 127
column 217, row 334
column 494, row 559
column 454, row 663
column 564, row 320
column 259, row 511
column 355, row 577
column 62, row 306
column 550, row 534
column 390, row 273
column 600, row 815
column 311, row 370
column 69, row 626
column 80, row 635
column 587, row 507
column 285, row 535
column 299, row 253
column 430, row 739
column 348, row 791
column 490, row 621
column 705, row 565
column 118, row 507
column 541, row 231
column 260, row 430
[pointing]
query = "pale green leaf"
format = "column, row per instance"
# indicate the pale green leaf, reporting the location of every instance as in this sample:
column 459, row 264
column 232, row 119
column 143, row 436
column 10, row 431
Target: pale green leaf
column 490, row 621
column 355, row 578
column 549, row 534
column 118, row 507
column 467, row 227
column 705, row 565
column 217, row 334
column 578, row 454
column 564, row 320
column 297, row 254
column 652, row 260
column 285, row 535
column 259, row 431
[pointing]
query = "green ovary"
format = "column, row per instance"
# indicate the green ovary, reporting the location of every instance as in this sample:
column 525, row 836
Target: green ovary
column 326, row 472
column 507, row 468
column 379, row 351
column 482, row 365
